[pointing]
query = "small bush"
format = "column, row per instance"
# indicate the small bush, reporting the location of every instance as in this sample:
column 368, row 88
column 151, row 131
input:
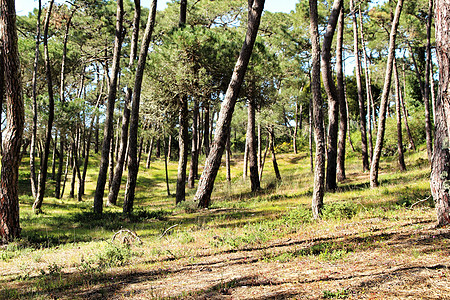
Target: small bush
column 114, row 256
column 339, row 210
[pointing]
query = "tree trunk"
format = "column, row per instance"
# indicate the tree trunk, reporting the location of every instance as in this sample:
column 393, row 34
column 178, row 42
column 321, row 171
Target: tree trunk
column 133, row 166
column 206, row 183
column 340, row 165
column 384, row 98
column 440, row 165
column 311, row 136
column 426, row 98
column 11, row 77
column 108, row 131
column 165, row 168
column 362, row 109
column 111, row 163
column 294, row 138
column 259, row 146
column 368, row 86
column 398, row 93
column 263, row 159
column 35, row 107
column 183, row 140
column 319, row 173
column 206, row 129
column 55, row 143
column 333, row 101
column 228, row 159
column 193, row 169
column 245, row 166
column 66, row 172
column 74, row 168
column 149, row 157
column 251, row 140
column 272, row 149
column 51, row 113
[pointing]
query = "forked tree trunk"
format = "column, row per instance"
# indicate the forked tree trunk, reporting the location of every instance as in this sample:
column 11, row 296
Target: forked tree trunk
column 35, row 107
column 108, row 132
column 317, row 113
column 440, row 164
column 340, row 172
column 398, row 92
column 384, row 98
column 51, row 113
column 11, row 77
column 333, row 101
column 133, row 166
column 206, row 183
column 362, row 108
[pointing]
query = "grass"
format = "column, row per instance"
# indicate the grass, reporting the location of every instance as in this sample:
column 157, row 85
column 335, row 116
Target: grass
column 67, row 250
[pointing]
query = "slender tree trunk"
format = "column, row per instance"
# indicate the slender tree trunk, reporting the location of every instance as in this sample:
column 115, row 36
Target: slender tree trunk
column 340, row 172
column 165, row 167
column 11, row 77
column 440, row 165
column 398, row 92
column 319, row 173
column 133, row 166
column 294, row 138
column 333, row 101
column 433, row 96
column 55, row 143
column 193, row 169
column 384, row 98
column 272, row 149
column 263, row 159
column 51, row 112
column 259, row 146
column 206, row 128
column 74, row 168
column 35, row 107
column 362, row 109
column 66, row 172
column 228, row 159
column 311, row 136
column 426, row 98
column 251, row 140
column 111, row 163
column 108, row 132
column 206, row 183
column 183, row 140
column 405, row 114
column 245, row 166
column 368, row 86
column 149, row 157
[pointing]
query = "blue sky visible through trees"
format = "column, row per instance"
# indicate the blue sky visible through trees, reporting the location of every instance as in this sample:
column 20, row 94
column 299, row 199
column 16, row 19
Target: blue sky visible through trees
column 23, row 7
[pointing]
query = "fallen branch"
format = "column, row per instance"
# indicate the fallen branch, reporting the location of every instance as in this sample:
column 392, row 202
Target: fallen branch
column 167, row 230
column 124, row 238
column 420, row 201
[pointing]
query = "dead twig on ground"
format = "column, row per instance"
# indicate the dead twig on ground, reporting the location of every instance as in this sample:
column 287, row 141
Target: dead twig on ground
column 125, row 239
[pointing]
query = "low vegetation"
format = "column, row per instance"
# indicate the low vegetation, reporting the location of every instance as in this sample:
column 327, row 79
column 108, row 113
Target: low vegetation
column 371, row 244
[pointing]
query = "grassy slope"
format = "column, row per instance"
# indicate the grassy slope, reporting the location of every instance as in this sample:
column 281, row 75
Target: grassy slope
column 245, row 246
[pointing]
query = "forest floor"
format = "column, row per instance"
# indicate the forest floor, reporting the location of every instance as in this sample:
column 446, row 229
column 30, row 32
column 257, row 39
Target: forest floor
column 371, row 244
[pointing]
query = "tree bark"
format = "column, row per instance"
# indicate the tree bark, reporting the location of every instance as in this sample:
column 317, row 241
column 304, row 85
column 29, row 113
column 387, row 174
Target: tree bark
column 426, row 98
column 340, row 172
column 183, row 140
column 108, row 132
column 384, row 98
column 206, row 183
column 11, row 77
column 193, row 169
column 251, row 140
column 35, row 107
column 440, row 165
column 228, row 159
column 333, row 101
column 317, row 113
column 51, row 113
column 206, row 128
column 133, row 166
column 398, row 93
column 362, row 109
column 272, row 149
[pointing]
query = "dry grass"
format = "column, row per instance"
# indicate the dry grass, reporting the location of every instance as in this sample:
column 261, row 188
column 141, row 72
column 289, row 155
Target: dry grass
column 263, row 245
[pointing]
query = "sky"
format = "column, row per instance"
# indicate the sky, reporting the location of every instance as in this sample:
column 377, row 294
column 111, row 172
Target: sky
column 23, row 7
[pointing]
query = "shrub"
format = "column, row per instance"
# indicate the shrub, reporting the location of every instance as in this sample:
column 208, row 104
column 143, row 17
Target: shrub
column 339, row 210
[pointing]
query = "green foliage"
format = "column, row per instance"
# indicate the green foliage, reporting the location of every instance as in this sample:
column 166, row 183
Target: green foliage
column 339, row 210
column 113, row 255
column 338, row 294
